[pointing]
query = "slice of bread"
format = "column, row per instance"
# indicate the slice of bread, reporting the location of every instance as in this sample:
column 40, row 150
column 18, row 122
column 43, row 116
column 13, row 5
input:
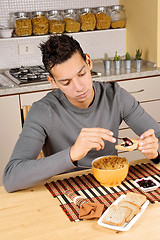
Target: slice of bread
column 134, row 208
column 135, row 198
column 117, row 215
column 128, row 148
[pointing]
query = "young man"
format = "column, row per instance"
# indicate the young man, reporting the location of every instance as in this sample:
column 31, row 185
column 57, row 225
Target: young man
column 76, row 122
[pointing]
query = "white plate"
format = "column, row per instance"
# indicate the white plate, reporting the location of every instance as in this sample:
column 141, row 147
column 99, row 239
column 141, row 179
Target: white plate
column 149, row 188
column 126, row 226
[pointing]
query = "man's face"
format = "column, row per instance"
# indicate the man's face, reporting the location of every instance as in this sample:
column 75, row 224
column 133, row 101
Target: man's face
column 73, row 78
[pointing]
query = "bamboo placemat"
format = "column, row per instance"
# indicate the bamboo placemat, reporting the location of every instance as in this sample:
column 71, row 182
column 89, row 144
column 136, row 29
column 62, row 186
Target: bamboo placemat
column 88, row 187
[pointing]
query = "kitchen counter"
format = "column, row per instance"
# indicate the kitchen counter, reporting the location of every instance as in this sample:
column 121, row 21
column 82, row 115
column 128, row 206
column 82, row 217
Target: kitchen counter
column 34, row 214
column 148, row 69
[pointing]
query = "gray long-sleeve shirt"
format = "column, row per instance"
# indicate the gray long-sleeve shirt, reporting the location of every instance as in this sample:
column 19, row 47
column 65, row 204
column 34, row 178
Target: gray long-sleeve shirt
column 54, row 123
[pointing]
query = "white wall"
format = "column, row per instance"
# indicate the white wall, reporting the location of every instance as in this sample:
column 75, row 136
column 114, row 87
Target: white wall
column 95, row 43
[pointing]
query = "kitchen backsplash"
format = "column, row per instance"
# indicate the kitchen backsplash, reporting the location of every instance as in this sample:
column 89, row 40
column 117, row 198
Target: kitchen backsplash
column 8, row 7
column 95, row 43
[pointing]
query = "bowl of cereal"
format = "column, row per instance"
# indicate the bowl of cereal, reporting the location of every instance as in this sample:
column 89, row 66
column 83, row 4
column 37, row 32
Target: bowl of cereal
column 110, row 171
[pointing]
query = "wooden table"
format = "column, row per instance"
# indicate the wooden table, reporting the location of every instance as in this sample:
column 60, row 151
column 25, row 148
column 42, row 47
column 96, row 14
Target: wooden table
column 34, row 214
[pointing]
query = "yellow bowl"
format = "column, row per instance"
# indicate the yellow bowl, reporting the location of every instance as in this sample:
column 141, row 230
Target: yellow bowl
column 110, row 178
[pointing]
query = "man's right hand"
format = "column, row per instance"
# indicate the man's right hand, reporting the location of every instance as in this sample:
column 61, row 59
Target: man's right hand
column 88, row 139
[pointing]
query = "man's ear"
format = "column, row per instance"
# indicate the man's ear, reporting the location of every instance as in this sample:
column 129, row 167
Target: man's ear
column 89, row 61
column 51, row 80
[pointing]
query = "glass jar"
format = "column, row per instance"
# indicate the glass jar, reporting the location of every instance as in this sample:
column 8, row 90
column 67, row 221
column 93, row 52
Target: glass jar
column 118, row 16
column 23, row 24
column 71, row 19
column 55, row 20
column 103, row 20
column 87, row 19
column 39, row 23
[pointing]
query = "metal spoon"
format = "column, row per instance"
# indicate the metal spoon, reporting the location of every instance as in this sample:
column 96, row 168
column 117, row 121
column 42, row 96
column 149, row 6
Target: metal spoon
column 127, row 141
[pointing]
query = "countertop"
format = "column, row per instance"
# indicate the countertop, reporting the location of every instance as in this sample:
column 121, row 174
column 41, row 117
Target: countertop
column 34, row 214
column 148, row 69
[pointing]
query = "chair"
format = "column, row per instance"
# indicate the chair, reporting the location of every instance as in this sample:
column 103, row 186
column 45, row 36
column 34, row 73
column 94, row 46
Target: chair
column 25, row 110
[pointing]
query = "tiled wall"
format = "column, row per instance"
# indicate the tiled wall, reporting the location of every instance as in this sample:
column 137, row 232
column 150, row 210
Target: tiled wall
column 8, row 7
column 95, row 43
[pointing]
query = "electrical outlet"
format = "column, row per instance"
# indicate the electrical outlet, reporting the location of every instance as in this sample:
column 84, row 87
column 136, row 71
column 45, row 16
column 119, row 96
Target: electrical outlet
column 25, row 49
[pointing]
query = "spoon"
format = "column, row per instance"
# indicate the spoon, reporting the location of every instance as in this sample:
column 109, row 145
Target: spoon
column 127, row 141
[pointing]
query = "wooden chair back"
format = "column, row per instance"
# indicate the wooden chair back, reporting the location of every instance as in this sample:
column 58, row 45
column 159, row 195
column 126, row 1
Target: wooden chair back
column 25, row 110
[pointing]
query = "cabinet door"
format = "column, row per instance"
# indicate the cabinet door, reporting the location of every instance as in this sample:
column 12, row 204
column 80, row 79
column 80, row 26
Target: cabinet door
column 10, row 125
column 145, row 89
column 152, row 108
column 132, row 156
column 29, row 98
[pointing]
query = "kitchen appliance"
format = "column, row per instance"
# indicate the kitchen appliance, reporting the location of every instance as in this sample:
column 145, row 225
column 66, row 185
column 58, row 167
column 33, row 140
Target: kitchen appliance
column 27, row 75
column 32, row 75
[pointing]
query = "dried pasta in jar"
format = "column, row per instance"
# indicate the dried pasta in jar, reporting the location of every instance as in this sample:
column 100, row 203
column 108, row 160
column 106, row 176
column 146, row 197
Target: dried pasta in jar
column 88, row 20
column 56, row 26
column 71, row 25
column 40, row 23
column 103, row 20
column 118, row 24
column 23, row 24
column 118, row 16
column 71, row 19
column 56, row 23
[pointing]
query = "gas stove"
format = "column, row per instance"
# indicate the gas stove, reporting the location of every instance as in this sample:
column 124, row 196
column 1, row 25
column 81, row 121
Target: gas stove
column 32, row 75
column 27, row 75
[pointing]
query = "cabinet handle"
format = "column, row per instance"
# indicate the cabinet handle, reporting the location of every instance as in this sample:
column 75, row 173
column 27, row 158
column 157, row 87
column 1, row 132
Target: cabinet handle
column 138, row 91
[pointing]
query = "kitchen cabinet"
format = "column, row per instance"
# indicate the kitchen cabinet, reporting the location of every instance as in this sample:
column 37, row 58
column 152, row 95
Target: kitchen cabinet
column 10, row 125
column 29, row 98
column 146, row 91
column 143, row 89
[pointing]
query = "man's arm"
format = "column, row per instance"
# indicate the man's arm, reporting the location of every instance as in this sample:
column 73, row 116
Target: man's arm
column 23, row 170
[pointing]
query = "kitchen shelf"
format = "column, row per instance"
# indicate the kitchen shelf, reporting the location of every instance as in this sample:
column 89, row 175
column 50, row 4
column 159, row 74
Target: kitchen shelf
column 72, row 34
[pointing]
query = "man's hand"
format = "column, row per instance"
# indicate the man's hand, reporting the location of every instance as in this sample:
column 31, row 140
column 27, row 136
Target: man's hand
column 148, row 144
column 90, row 138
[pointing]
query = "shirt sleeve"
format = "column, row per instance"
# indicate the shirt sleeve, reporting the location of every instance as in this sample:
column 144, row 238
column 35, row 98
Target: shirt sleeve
column 23, row 170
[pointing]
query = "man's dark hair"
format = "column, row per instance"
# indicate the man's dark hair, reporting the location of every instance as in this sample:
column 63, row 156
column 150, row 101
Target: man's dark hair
column 59, row 48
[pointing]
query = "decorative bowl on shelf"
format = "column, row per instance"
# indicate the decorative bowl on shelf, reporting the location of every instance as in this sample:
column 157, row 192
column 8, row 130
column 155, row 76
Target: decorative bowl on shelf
column 6, row 32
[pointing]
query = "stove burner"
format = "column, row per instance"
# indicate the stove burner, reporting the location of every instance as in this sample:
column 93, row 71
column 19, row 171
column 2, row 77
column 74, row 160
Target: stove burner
column 23, row 77
column 31, row 74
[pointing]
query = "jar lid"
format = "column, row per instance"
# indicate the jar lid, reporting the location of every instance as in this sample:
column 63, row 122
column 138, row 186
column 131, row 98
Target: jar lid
column 53, row 12
column 38, row 13
column 85, row 9
column 100, row 9
column 21, row 14
column 117, row 7
column 68, row 11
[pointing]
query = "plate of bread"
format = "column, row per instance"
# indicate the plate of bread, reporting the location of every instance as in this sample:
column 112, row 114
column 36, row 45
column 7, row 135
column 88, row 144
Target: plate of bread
column 124, row 212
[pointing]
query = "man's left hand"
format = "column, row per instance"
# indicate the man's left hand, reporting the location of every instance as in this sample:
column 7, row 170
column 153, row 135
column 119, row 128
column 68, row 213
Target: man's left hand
column 148, row 144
